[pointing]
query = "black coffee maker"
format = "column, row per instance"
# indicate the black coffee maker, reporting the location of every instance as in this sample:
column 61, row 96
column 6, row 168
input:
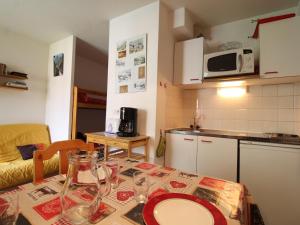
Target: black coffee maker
column 128, row 122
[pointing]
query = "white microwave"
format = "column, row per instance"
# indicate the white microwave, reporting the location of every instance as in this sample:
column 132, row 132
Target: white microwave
column 229, row 63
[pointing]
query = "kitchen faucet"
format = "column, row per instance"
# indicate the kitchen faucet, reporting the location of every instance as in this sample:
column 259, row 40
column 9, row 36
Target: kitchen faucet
column 195, row 125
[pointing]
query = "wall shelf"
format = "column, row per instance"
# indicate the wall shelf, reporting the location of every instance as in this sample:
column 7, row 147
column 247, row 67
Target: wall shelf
column 19, row 88
column 14, row 77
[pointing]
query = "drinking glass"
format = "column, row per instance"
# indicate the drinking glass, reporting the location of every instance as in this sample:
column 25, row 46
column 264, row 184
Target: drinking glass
column 104, row 178
column 113, row 168
column 9, row 208
column 140, row 186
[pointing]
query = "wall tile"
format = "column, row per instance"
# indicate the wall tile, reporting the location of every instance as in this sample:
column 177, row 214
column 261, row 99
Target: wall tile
column 286, row 127
column 297, row 115
column 270, row 90
column 286, row 115
column 285, row 89
column 241, row 125
column 297, row 128
column 270, row 126
column 255, row 126
column 255, row 114
column 241, row 114
column 297, row 102
column 227, row 125
column 209, row 114
column 269, row 102
column 286, row 102
column 254, row 102
column 297, row 89
column 219, row 114
column 255, row 90
column 229, row 114
column 270, row 115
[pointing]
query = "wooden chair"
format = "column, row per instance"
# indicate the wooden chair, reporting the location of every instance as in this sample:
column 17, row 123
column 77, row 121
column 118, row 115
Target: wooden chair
column 63, row 147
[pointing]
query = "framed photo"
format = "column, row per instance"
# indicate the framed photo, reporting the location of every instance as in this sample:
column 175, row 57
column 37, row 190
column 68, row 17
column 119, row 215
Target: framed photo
column 131, row 64
column 58, row 64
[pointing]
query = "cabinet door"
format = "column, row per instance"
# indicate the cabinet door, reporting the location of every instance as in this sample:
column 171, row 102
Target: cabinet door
column 280, row 48
column 217, row 157
column 272, row 176
column 181, row 152
column 188, row 61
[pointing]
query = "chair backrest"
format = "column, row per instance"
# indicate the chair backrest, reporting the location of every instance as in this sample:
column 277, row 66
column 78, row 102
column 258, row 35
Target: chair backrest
column 63, row 147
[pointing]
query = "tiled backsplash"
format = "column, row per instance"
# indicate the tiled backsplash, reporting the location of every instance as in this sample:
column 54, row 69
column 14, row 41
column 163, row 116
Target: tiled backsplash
column 268, row 108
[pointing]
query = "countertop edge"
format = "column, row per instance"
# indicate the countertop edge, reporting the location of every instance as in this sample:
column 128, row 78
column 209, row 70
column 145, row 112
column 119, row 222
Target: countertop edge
column 237, row 136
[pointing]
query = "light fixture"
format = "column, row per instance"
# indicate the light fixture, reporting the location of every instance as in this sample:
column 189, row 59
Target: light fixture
column 231, row 92
column 236, row 83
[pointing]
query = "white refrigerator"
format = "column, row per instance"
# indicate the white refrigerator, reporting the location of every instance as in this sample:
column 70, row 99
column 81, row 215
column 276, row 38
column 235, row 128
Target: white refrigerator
column 271, row 172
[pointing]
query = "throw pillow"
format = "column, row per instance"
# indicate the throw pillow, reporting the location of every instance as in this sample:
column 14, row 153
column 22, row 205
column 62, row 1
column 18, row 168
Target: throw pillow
column 27, row 150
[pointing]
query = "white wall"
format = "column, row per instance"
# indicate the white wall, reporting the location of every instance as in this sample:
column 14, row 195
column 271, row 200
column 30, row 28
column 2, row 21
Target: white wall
column 23, row 54
column 169, row 97
column 90, row 75
column 137, row 22
column 169, row 100
column 59, row 91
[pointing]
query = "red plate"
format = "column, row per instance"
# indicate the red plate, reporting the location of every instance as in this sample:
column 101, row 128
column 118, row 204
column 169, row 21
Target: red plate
column 148, row 211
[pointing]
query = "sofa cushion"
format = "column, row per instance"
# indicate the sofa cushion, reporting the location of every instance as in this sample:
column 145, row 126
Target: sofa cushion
column 21, row 171
column 20, row 134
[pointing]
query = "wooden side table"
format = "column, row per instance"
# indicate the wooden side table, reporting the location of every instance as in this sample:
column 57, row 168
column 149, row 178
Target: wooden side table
column 127, row 143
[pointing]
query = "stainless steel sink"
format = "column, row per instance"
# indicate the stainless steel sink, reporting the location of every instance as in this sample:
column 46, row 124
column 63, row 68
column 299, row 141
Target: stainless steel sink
column 187, row 130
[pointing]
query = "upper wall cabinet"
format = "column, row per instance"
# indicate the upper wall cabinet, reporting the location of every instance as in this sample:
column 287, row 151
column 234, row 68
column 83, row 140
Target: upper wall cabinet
column 280, row 48
column 188, row 61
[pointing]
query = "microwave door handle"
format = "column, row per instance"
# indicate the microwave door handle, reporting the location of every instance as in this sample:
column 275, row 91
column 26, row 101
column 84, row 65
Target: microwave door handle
column 240, row 62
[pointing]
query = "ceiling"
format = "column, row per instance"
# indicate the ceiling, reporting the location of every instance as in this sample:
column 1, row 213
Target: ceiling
column 52, row 20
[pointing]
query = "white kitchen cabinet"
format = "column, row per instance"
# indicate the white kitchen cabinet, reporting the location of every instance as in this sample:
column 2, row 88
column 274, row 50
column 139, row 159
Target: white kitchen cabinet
column 280, row 48
column 271, row 172
column 188, row 61
column 181, row 152
column 217, row 157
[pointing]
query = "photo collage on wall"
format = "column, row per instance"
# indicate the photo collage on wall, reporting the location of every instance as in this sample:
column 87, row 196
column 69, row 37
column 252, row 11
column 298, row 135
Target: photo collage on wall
column 131, row 62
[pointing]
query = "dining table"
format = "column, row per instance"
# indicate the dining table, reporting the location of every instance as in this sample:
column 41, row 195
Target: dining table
column 40, row 203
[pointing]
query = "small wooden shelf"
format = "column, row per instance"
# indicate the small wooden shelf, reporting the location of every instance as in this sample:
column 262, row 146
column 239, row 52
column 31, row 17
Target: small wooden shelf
column 14, row 77
column 19, row 88
column 90, row 106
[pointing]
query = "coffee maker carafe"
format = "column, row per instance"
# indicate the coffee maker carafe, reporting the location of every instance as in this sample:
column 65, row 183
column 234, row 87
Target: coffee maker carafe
column 128, row 122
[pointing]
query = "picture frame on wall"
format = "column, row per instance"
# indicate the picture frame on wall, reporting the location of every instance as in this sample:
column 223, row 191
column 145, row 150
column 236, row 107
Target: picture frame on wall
column 131, row 64
column 58, row 64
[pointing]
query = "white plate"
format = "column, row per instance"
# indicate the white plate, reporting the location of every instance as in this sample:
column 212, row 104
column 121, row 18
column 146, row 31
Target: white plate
column 177, row 211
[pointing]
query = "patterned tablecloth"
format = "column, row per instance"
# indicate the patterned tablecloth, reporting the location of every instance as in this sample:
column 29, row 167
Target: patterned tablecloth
column 120, row 207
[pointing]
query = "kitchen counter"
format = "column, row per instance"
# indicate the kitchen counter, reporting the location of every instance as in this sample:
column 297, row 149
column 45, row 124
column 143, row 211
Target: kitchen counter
column 260, row 137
